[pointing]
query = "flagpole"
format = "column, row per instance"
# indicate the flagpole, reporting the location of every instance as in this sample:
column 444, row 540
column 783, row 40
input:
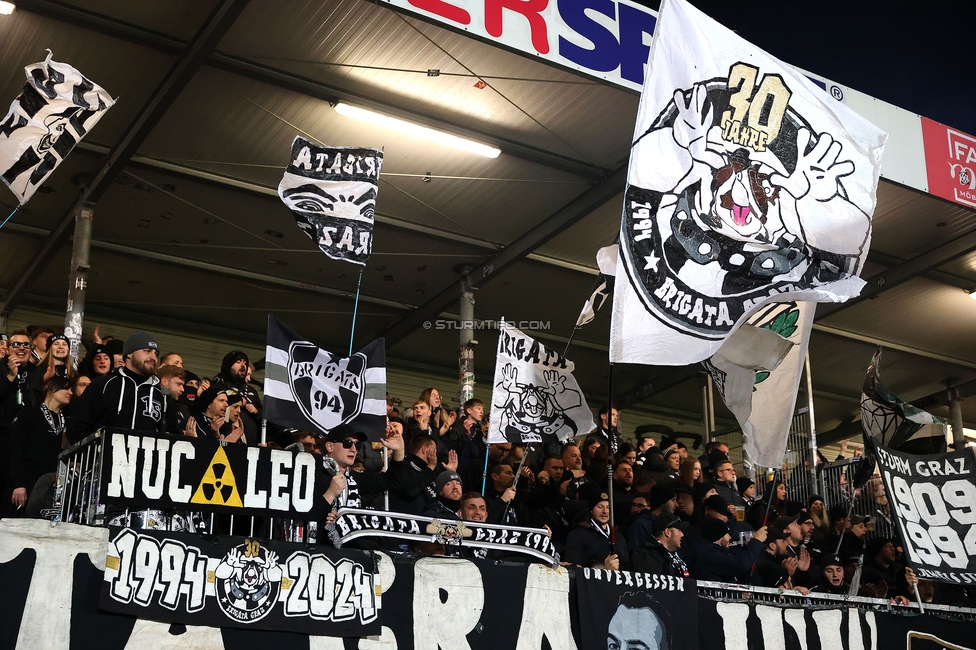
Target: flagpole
column 355, row 309
column 570, row 341
column 612, row 448
column 8, row 217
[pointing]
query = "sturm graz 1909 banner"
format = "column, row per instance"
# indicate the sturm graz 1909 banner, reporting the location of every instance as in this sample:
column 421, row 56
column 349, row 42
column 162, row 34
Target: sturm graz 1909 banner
column 197, row 474
column 332, row 193
column 56, row 109
column 623, row 610
column 534, row 397
column 933, row 499
column 241, row 582
column 746, row 183
column 311, row 389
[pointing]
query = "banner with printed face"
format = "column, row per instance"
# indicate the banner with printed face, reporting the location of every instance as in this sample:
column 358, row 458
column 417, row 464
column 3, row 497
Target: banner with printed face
column 197, row 474
column 619, row 609
column 241, row 582
column 56, row 109
column 312, row 389
column 534, row 396
column 933, row 499
column 332, row 193
column 747, row 183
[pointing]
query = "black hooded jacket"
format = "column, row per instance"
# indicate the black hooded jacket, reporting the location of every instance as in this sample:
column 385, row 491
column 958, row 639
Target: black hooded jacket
column 225, row 379
column 121, row 399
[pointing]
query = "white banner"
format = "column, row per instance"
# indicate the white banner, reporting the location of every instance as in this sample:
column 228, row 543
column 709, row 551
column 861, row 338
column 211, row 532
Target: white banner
column 55, row 110
column 534, row 396
column 747, row 184
column 758, row 378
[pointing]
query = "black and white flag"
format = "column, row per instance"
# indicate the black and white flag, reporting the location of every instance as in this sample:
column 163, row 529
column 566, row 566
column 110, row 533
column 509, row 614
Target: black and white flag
column 747, row 184
column 332, row 193
column 56, row 109
column 534, row 396
column 309, row 388
column 606, row 260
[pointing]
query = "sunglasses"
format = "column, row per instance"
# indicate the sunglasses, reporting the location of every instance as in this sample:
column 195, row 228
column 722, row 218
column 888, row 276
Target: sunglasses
column 18, row 344
column 349, row 444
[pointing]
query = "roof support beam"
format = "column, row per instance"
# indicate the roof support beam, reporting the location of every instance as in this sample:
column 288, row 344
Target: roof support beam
column 551, row 226
column 193, row 56
column 306, row 85
column 906, row 271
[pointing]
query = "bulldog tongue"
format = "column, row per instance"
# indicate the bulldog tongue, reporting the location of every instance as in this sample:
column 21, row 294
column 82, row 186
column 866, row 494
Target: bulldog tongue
column 740, row 214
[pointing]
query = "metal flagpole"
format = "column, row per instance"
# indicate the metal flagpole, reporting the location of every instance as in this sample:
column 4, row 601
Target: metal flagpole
column 484, row 473
column 355, row 309
column 8, row 217
column 386, row 467
column 612, row 448
column 518, row 473
column 570, row 341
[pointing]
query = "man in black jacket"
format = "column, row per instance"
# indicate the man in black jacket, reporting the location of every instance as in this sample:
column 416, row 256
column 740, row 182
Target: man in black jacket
column 127, row 397
column 659, row 554
column 832, row 577
column 588, row 545
column 233, row 375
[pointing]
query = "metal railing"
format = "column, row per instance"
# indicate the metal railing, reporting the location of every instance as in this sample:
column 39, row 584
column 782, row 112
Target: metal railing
column 836, row 481
column 729, row 592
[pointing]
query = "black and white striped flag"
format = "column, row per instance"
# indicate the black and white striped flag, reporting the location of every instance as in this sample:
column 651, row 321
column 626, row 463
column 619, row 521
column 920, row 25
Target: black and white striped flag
column 606, row 259
column 311, row 389
column 53, row 112
column 332, row 193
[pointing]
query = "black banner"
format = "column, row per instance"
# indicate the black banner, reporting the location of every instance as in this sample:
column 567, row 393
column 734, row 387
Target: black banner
column 353, row 524
column 241, row 582
column 741, row 626
column 199, row 474
column 933, row 499
column 619, row 609
column 924, row 633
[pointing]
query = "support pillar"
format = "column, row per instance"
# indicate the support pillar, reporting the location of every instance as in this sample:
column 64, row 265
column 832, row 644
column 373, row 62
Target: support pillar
column 78, row 278
column 466, row 358
column 708, row 407
column 955, row 416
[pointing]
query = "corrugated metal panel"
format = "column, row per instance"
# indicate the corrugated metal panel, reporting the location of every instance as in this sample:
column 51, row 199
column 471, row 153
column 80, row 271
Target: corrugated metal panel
column 908, row 223
column 177, row 18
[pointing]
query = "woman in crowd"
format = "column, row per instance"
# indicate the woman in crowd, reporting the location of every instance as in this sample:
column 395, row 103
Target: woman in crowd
column 821, row 521
column 35, row 439
column 591, row 445
column 55, row 361
column 440, row 418
column 691, row 471
column 774, row 504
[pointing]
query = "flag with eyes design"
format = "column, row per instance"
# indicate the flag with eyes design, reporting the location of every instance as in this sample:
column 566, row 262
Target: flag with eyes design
column 332, row 193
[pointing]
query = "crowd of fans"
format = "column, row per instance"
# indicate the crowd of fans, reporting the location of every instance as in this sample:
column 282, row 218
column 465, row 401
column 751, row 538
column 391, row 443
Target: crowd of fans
column 672, row 513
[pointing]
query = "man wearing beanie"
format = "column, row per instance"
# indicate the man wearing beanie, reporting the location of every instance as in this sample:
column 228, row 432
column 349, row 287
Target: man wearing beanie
column 660, row 500
column 777, row 565
column 128, row 397
column 832, row 577
column 716, row 560
column 233, row 376
column 447, row 503
column 588, row 545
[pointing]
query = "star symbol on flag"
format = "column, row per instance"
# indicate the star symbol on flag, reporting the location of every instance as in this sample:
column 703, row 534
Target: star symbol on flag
column 652, row 261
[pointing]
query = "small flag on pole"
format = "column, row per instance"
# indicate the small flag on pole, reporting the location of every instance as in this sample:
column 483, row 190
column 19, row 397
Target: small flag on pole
column 606, row 260
column 308, row 388
column 56, row 109
column 332, row 193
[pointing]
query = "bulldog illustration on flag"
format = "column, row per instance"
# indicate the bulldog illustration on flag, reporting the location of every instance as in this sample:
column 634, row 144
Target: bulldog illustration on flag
column 331, row 191
column 747, row 183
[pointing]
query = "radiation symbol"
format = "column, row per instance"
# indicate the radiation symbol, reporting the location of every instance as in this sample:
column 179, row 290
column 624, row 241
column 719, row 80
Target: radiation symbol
column 218, row 486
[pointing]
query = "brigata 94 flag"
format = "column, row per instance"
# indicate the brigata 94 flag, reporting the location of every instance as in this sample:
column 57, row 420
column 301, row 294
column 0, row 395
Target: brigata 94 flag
column 747, row 184
column 56, row 109
column 312, row 389
column 933, row 499
column 332, row 193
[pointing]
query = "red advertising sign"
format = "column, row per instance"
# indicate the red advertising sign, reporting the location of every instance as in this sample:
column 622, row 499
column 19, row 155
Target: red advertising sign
column 950, row 162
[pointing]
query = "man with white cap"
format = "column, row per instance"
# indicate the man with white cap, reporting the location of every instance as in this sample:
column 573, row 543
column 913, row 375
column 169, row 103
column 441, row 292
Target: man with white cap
column 128, row 397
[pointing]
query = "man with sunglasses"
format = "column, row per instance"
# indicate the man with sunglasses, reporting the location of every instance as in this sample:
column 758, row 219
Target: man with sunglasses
column 14, row 395
column 349, row 487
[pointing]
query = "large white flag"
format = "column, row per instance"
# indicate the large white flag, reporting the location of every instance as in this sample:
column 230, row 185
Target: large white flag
column 534, row 397
column 56, row 109
column 757, row 372
column 747, row 184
